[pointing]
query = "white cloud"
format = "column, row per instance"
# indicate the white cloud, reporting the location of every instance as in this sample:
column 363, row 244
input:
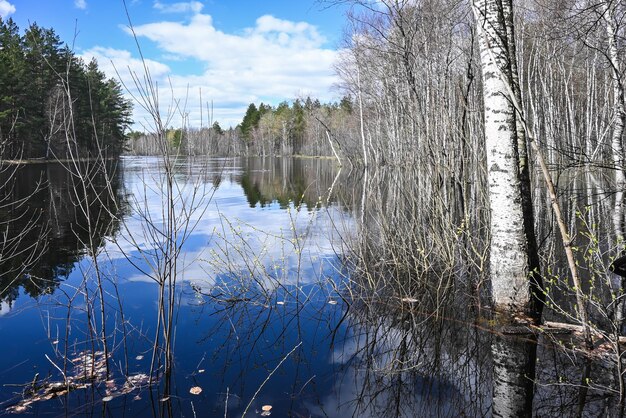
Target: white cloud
column 182, row 7
column 6, row 8
column 301, row 32
column 115, row 61
column 272, row 61
column 271, row 39
column 80, row 4
column 121, row 65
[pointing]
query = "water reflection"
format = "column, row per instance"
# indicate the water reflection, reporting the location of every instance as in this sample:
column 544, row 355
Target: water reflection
column 381, row 357
column 47, row 230
column 514, row 375
column 289, row 238
column 297, row 181
column 403, row 362
column 44, row 219
column 269, row 314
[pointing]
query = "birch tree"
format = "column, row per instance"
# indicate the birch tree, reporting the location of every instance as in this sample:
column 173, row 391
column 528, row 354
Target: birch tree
column 510, row 255
column 610, row 15
column 612, row 18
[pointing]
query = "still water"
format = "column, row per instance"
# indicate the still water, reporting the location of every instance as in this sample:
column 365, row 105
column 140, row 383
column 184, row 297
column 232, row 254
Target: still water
column 265, row 313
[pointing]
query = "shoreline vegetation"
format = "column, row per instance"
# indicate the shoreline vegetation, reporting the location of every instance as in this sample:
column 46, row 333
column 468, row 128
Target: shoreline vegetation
column 43, row 160
column 302, row 127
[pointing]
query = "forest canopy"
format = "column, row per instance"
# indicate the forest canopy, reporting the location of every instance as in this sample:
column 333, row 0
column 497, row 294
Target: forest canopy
column 52, row 102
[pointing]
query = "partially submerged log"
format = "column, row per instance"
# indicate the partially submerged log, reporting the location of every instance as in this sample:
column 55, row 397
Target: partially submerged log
column 575, row 328
column 550, row 328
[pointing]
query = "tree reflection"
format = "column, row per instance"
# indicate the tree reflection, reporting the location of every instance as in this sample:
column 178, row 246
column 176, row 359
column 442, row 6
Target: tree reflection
column 377, row 355
column 513, row 375
column 299, row 180
column 45, row 229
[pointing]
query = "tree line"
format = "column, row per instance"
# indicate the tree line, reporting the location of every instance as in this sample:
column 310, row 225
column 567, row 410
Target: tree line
column 52, row 103
column 300, row 127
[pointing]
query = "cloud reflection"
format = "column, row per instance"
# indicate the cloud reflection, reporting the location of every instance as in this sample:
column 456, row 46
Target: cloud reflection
column 289, row 245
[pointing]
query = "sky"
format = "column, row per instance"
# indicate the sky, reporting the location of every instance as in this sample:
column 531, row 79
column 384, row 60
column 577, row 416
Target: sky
column 206, row 54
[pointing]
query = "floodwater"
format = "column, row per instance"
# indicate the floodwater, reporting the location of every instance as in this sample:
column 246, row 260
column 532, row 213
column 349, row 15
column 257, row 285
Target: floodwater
column 266, row 310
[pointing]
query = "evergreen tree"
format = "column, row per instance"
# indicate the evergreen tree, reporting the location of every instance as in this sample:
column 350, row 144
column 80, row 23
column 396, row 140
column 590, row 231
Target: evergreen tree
column 217, row 128
column 49, row 99
column 12, row 85
column 346, row 104
column 298, row 126
column 42, row 68
column 250, row 121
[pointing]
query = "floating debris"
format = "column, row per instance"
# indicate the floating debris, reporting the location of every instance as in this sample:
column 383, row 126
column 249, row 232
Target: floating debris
column 19, row 409
column 196, row 390
column 41, row 392
column 332, row 302
column 89, row 369
column 266, row 410
column 135, row 381
column 89, row 366
column 409, row 300
column 280, row 302
column 139, row 357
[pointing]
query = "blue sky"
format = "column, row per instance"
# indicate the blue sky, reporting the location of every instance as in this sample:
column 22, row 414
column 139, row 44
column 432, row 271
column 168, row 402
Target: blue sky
column 232, row 51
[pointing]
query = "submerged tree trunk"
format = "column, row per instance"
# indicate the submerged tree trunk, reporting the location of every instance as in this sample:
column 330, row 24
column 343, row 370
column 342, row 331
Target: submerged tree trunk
column 510, row 261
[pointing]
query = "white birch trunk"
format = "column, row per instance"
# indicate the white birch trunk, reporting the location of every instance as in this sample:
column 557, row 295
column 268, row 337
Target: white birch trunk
column 618, row 92
column 616, row 144
column 509, row 260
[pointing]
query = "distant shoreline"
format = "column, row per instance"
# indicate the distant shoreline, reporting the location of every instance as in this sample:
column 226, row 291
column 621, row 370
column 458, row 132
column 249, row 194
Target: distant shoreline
column 319, row 157
column 30, row 161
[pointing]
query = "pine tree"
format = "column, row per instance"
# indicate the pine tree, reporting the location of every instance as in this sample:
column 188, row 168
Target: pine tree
column 250, row 121
column 49, row 99
column 217, row 128
column 11, row 86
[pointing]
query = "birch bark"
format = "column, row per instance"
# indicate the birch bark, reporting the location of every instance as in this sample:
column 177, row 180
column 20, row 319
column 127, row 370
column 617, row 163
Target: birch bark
column 509, row 251
column 608, row 11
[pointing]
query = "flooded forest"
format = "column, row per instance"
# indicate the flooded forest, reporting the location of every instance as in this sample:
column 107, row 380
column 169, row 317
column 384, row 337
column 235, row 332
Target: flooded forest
column 446, row 239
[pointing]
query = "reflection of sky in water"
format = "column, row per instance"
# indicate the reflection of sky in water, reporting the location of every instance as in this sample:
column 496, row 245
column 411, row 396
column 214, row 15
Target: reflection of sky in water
column 348, row 359
column 4, row 308
column 387, row 370
column 227, row 233
column 236, row 347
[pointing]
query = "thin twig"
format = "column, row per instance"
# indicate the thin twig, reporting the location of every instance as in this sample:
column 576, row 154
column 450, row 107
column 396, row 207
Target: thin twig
column 268, row 378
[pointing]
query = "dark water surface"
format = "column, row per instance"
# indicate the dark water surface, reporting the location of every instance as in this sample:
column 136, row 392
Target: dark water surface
column 265, row 312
